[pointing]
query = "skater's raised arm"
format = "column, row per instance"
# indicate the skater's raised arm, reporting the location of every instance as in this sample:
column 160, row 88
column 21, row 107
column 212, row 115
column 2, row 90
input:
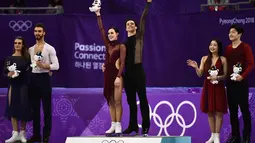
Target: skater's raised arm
column 200, row 69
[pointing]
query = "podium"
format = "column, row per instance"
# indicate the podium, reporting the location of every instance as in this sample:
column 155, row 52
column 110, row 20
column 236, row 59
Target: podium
column 135, row 139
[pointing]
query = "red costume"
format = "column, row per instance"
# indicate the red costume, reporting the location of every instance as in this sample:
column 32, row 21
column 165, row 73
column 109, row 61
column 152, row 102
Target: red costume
column 214, row 97
column 114, row 51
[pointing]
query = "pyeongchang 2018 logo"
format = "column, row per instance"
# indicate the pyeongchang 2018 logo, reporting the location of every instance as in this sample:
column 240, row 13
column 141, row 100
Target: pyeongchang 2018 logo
column 20, row 25
column 235, row 20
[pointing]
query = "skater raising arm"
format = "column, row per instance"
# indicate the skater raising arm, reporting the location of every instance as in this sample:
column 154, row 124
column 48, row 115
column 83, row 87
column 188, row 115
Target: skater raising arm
column 199, row 70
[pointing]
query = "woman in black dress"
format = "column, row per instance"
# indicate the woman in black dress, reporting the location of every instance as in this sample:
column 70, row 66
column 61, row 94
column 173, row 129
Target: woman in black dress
column 17, row 107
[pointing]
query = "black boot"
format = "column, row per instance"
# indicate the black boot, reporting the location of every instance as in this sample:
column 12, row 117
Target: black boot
column 145, row 132
column 234, row 139
column 46, row 139
column 34, row 139
column 246, row 139
column 129, row 130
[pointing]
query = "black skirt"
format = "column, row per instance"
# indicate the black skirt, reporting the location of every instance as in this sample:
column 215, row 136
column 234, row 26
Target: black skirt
column 17, row 105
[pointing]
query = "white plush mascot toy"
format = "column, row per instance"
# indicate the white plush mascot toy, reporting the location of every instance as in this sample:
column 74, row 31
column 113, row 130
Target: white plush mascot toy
column 237, row 69
column 13, row 68
column 96, row 5
column 213, row 72
column 37, row 57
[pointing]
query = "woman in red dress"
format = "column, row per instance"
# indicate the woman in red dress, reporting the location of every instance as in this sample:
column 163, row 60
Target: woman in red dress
column 113, row 68
column 213, row 100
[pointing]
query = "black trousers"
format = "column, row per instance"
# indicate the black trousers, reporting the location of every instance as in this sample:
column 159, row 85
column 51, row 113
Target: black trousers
column 238, row 95
column 135, row 82
column 40, row 90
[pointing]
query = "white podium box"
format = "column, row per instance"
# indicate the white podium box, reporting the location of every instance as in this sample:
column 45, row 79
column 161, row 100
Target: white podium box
column 135, row 139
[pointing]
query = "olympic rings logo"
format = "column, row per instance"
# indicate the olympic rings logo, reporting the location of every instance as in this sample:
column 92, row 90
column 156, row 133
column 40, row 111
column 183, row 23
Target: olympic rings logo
column 20, row 25
column 112, row 141
column 170, row 118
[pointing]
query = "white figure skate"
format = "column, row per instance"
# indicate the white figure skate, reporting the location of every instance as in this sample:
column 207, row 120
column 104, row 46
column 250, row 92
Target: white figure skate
column 96, row 5
column 14, row 138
